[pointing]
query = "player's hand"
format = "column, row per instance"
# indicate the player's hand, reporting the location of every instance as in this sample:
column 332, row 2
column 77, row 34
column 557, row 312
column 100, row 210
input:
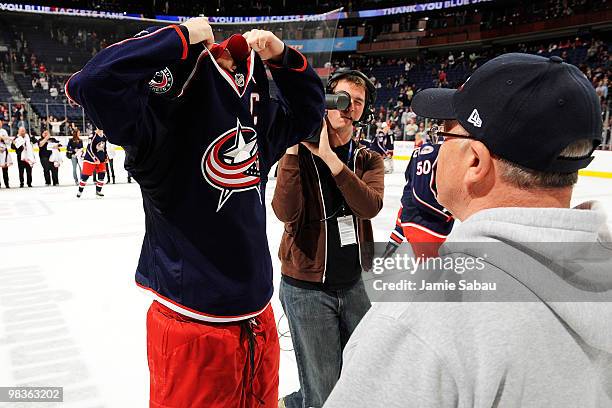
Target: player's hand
column 325, row 152
column 322, row 149
column 265, row 43
column 200, row 31
column 293, row 150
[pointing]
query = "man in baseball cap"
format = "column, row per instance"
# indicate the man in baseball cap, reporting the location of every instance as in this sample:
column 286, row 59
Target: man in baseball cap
column 530, row 324
column 538, row 120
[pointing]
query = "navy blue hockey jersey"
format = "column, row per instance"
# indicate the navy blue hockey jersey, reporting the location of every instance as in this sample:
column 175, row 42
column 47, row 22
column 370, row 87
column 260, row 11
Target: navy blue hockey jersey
column 420, row 208
column 96, row 150
column 201, row 160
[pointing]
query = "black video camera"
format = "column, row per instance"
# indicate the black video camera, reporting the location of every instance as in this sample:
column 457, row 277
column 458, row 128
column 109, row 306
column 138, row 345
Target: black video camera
column 340, row 100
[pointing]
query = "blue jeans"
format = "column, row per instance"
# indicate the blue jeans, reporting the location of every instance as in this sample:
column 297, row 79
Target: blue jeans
column 320, row 324
column 75, row 165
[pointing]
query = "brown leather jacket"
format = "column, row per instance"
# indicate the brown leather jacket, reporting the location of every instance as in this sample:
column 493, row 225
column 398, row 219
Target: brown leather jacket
column 298, row 202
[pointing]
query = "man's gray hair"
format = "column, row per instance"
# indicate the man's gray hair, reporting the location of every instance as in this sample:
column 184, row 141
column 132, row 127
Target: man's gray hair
column 526, row 178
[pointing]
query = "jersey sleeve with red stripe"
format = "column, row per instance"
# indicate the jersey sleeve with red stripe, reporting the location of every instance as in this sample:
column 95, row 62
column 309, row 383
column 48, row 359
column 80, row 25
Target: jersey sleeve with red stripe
column 299, row 109
column 113, row 86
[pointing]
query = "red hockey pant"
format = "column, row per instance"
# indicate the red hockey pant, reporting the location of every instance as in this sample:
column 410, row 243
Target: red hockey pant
column 197, row 364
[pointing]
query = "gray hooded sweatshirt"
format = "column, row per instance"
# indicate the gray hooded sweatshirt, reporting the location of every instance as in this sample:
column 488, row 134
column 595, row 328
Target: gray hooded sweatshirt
column 542, row 351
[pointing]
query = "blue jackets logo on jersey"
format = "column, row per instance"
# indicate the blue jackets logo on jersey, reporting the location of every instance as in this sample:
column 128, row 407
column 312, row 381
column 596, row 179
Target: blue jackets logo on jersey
column 162, row 81
column 231, row 162
column 427, row 149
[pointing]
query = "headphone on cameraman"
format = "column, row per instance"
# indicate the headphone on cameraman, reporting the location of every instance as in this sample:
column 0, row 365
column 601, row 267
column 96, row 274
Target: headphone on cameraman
column 368, row 109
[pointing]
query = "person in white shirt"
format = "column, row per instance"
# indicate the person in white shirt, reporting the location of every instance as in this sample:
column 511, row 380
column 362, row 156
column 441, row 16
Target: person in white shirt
column 25, row 156
column 56, row 125
column 5, row 155
column 410, row 130
column 44, row 84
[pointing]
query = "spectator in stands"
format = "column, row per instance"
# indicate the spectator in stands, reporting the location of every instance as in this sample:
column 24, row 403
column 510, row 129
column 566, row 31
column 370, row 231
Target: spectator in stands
column 23, row 144
column 461, row 58
column 56, row 125
column 74, row 151
column 442, row 79
column 5, row 155
column 44, row 84
column 420, row 135
column 72, row 127
column 18, row 115
column 46, row 146
column 410, row 130
column 403, row 122
column 53, row 92
column 410, row 93
column 602, row 89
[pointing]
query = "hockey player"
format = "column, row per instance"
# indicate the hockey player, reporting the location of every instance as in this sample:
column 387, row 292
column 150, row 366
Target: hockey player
column 201, row 133
column 421, row 220
column 95, row 160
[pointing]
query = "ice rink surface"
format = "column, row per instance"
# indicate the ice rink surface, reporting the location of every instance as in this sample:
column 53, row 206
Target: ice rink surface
column 70, row 313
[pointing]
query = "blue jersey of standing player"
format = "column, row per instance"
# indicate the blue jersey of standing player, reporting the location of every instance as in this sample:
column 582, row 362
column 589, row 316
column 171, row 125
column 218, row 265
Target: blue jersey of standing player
column 96, row 149
column 200, row 140
column 420, row 209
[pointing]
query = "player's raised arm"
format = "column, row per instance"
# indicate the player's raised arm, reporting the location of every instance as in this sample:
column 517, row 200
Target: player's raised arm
column 113, row 86
column 298, row 83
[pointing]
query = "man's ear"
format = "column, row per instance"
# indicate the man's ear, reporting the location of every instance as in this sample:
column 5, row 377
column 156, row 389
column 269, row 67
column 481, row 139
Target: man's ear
column 480, row 176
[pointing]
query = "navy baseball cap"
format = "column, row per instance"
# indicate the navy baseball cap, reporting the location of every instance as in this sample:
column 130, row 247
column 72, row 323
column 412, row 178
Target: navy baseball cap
column 524, row 108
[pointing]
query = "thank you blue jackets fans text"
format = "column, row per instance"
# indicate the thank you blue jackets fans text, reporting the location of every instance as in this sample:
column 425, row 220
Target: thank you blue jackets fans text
column 201, row 158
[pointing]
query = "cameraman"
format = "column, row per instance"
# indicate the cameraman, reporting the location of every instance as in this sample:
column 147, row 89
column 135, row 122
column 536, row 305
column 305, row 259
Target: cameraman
column 326, row 194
